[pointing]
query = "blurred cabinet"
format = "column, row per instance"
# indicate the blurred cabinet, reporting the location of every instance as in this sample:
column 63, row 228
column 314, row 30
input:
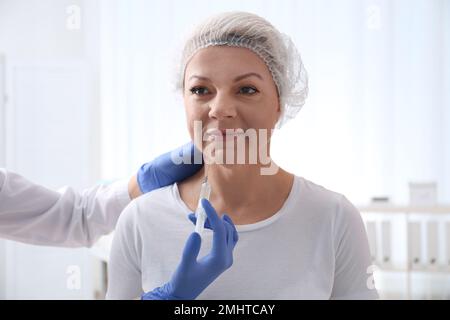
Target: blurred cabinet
column 410, row 246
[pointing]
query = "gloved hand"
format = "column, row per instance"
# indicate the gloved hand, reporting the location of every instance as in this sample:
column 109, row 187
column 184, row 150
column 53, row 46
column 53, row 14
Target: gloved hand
column 162, row 171
column 191, row 276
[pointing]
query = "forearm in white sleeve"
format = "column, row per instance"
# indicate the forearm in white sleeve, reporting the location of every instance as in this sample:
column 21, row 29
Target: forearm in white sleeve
column 33, row 214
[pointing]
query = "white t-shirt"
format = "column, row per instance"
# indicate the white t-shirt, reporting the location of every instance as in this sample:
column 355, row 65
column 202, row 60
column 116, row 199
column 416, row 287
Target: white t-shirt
column 314, row 247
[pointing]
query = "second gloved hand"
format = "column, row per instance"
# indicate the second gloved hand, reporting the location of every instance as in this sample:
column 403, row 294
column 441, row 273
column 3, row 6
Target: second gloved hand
column 162, row 171
column 192, row 276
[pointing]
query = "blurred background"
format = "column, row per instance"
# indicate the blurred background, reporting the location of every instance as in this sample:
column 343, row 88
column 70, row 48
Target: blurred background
column 86, row 97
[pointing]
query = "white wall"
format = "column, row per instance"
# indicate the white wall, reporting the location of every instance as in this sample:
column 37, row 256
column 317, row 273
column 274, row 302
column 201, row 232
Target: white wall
column 2, row 164
column 377, row 114
column 52, row 130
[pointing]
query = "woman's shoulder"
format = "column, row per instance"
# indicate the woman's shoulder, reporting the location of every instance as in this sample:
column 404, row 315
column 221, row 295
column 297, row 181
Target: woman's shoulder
column 309, row 190
column 322, row 199
column 149, row 204
column 155, row 196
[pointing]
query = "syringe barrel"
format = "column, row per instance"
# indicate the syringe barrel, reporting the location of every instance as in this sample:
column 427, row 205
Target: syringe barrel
column 200, row 213
column 205, row 191
column 201, row 218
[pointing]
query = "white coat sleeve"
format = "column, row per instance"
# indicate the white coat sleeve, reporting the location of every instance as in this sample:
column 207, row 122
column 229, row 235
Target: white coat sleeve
column 33, row 214
column 353, row 278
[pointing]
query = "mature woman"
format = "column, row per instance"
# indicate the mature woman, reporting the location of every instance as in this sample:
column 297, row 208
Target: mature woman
column 297, row 239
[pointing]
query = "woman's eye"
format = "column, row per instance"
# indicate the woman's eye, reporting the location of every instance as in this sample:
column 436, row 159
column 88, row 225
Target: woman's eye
column 199, row 90
column 248, row 90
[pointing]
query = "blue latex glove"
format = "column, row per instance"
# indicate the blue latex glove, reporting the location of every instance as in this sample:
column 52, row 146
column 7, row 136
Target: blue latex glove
column 191, row 276
column 162, row 171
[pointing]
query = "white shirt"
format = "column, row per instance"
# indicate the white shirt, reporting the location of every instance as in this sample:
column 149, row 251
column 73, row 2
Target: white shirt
column 314, row 247
column 36, row 215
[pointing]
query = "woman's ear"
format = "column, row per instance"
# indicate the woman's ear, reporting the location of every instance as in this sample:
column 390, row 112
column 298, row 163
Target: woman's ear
column 278, row 110
column 278, row 116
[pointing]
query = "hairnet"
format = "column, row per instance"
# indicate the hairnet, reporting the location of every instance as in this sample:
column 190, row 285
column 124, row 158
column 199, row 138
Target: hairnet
column 276, row 49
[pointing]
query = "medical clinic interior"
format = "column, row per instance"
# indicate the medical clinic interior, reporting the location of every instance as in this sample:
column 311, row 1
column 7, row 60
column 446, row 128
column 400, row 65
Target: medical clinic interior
column 87, row 97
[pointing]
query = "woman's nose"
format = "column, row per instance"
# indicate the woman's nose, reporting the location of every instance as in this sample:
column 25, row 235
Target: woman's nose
column 221, row 108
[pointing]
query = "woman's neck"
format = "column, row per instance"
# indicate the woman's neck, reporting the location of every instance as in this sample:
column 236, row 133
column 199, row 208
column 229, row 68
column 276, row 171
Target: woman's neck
column 241, row 191
column 238, row 185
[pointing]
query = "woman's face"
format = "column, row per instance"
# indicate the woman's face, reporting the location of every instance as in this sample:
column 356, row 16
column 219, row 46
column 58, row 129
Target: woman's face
column 229, row 88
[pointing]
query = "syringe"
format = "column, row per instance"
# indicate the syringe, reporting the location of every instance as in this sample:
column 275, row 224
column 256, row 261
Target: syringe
column 200, row 213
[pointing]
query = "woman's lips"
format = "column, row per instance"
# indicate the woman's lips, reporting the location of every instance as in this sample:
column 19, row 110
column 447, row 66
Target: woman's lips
column 215, row 133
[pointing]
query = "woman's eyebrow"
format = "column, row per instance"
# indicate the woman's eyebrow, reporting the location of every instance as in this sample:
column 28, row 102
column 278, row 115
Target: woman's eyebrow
column 248, row 75
column 235, row 79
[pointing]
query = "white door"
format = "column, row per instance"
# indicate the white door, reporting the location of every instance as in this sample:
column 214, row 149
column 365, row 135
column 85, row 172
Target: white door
column 48, row 140
column 2, row 164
